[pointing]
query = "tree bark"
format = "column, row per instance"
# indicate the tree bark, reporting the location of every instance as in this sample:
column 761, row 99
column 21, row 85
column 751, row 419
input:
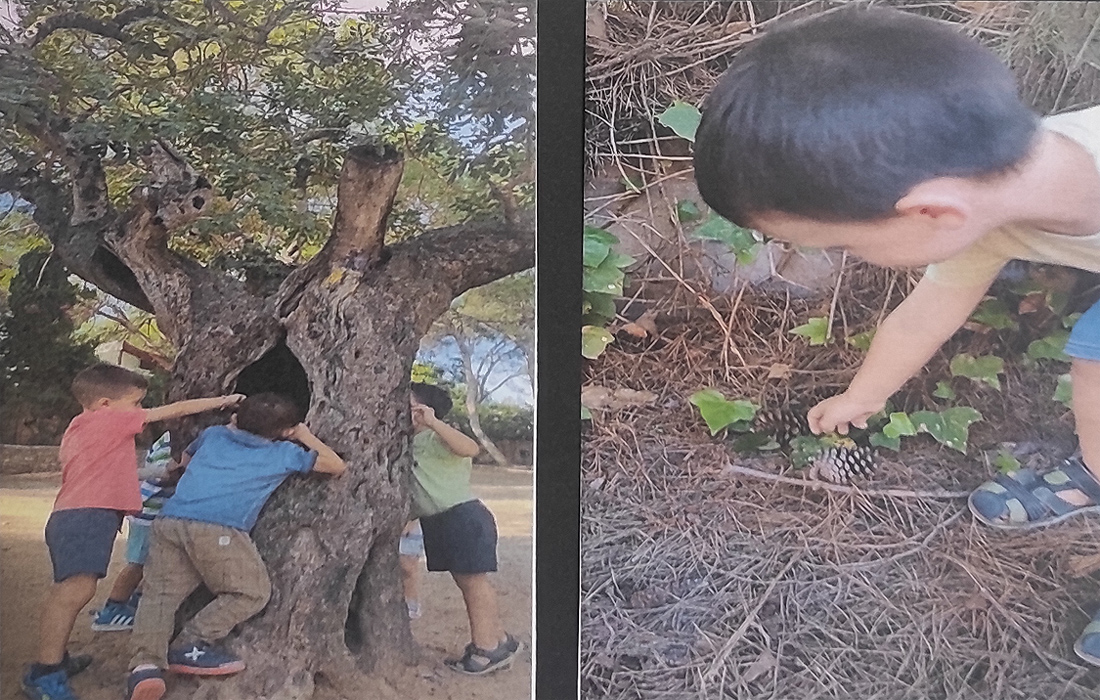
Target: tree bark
column 352, row 318
column 473, row 397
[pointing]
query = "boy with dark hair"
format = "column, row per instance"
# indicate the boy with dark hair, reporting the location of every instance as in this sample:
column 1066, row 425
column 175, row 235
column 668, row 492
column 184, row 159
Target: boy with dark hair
column 904, row 142
column 99, row 485
column 460, row 533
column 202, row 536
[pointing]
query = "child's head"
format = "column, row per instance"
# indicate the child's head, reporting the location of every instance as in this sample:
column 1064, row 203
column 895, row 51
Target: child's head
column 109, row 386
column 268, row 415
column 435, row 397
column 839, row 117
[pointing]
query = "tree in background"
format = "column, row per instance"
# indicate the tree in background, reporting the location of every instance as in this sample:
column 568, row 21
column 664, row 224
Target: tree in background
column 237, row 170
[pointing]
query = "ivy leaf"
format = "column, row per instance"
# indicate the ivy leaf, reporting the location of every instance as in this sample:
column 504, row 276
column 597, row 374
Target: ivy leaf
column 687, row 210
column 585, row 413
column 741, row 241
column 1064, row 391
column 599, row 308
column 861, row 341
column 979, row 369
column 1051, row 347
column 880, row 440
column 898, row 426
column 816, row 330
column 718, row 411
column 682, row 118
column 944, row 391
column 1006, row 462
column 754, row 442
column 606, row 278
column 594, row 340
column 995, row 314
column 1070, row 320
column 950, row 427
column 803, row 450
column 597, row 245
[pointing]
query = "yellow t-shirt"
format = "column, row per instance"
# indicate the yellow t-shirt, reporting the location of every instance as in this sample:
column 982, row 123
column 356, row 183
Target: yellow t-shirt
column 981, row 262
column 441, row 479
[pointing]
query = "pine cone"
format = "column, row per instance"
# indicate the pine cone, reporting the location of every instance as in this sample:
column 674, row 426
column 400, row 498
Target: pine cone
column 782, row 424
column 840, row 465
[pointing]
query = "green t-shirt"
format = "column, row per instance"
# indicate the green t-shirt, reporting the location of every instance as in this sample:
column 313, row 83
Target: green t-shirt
column 441, row 478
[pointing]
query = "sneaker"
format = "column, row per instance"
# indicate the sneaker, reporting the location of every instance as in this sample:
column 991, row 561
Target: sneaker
column 134, row 600
column 476, row 661
column 145, row 684
column 202, row 659
column 75, row 664
column 114, row 617
column 52, row 686
column 414, row 609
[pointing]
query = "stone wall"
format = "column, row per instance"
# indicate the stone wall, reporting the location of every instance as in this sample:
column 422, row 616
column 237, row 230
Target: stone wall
column 27, row 459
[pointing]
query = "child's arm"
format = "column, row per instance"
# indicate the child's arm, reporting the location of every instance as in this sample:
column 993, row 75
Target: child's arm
column 328, row 462
column 904, row 342
column 179, row 409
column 455, row 440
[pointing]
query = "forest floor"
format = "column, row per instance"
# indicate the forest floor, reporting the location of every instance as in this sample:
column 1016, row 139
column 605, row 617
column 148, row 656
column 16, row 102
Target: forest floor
column 442, row 631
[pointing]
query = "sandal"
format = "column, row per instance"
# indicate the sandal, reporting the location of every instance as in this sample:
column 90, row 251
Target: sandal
column 1023, row 500
column 476, row 661
column 1087, row 645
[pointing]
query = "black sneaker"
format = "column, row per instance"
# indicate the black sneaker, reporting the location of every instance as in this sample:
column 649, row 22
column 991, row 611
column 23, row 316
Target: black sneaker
column 146, row 684
column 75, row 664
column 203, row 659
column 51, row 686
column 476, row 661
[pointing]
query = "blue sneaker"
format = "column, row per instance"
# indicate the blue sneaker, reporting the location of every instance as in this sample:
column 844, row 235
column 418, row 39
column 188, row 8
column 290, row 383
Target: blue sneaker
column 145, row 684
column 114, row 617
column 134, row 600
column 52, row 686
column 203, row 659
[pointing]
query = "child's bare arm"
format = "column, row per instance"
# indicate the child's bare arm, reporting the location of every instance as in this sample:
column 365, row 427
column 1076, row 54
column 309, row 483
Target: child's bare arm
column 456, row 441
column 179, row 409
column 328, row 462
column 905, row 341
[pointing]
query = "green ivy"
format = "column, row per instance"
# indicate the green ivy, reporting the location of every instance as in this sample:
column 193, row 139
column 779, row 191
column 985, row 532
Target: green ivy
column 816, row 330
column 720, row 413
column 980, row 369
column 603, row 279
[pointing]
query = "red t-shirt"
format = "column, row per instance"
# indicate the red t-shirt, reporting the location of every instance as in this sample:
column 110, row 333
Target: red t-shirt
column 99, row 461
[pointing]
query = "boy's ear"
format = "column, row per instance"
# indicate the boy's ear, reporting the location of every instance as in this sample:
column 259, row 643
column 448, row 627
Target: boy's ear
column 233, row 419
column 941, row 201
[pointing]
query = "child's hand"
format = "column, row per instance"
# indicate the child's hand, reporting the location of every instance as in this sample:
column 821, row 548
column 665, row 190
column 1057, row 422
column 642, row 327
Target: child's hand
column 836, row 413
column 422, row 416
column 230, row 400
column 300, row 433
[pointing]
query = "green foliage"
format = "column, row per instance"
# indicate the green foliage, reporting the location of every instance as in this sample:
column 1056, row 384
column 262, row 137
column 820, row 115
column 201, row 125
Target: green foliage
column 686, row 210
column 594, row 340
column 950, row 427
column 804, row 448
column 742, row 242
column 980, row 369
column 682, row 118
column 423, row 373
column 944, row 391
column 1063, row 392
column 499, row 421
column 861, row 341
column 38, row 357
column 995, row 314
column 604, row 276
column 1006, row 462
column 1050, row 347
column 816, row 330
column 719, row 412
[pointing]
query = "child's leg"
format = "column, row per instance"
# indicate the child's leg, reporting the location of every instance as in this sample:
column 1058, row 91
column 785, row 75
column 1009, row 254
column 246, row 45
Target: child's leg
column 126, row 583
column 169, row 579
column 232, row 569
column 63, row 604
column 410, row 576
column 1086, row 412
column 486, row 630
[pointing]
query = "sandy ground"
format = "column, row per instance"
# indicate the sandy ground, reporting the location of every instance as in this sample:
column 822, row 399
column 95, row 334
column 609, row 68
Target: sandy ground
column 443, row 630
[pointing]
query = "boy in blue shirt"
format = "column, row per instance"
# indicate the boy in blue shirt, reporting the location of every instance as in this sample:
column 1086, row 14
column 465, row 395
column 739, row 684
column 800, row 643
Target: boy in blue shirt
column 903, row 141
column 201, row 536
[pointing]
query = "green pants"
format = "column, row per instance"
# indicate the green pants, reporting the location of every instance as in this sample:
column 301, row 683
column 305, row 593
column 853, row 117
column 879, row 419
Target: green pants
column 183, row 554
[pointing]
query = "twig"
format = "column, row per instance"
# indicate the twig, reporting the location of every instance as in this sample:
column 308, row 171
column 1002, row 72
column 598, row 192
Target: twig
column 836, row 488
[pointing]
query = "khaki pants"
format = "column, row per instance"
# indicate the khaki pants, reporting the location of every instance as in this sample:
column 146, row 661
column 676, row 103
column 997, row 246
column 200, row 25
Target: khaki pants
column 183, row 554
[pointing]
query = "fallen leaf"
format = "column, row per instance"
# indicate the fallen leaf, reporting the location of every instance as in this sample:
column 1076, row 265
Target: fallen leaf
column 596, row 397
column 1083, row 564
column 1032, row 303
column 764, row 663
column 644, row 326
column 779, row 371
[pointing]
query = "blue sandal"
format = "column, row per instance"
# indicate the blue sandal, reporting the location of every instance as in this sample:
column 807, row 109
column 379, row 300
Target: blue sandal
column 1088, row 644
column 1025, row 499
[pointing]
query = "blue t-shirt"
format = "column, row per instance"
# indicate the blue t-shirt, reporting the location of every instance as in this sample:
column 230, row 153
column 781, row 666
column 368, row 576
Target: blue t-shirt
column 231, row 475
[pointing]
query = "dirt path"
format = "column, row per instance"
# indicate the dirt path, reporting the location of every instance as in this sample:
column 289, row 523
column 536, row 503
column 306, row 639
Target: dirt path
column 25, row 502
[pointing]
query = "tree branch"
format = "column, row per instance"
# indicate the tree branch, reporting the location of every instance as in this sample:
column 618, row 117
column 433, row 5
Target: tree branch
column 368, row 185
column 114, row 29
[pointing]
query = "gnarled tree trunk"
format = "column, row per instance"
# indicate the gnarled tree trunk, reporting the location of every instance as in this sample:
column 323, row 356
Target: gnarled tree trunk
column 340, row 335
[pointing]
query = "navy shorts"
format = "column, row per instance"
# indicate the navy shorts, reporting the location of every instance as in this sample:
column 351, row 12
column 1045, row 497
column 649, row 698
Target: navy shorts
column 462, row 539
column 80, row 541
column 1084, row 339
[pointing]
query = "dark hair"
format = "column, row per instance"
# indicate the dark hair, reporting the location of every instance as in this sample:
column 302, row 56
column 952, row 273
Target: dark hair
column 267, row 415
column 105, row 381
column 434, row 396
column 837, row 116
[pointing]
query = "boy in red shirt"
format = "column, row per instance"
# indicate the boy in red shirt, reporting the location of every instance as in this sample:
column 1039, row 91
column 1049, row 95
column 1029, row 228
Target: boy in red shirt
column 99, row 485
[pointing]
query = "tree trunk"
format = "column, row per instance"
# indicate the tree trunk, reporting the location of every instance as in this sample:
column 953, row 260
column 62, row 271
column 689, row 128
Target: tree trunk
column 473, row 397
column 340, row 337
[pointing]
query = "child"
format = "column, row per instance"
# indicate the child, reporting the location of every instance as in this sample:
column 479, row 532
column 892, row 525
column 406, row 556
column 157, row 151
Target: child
column 158, row 483
column 460, row 534
column 98, row 486
column 905, row 142
column 411, row 551
column 201, row 536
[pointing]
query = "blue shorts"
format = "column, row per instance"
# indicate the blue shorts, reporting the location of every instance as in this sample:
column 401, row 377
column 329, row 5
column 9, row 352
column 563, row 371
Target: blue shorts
column 1084, row 339
column 462, row 540
column 412, row 544
column 137, row 542
column 80, row 541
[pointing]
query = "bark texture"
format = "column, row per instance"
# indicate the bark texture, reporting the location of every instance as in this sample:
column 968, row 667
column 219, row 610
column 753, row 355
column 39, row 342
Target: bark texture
column 340, row 335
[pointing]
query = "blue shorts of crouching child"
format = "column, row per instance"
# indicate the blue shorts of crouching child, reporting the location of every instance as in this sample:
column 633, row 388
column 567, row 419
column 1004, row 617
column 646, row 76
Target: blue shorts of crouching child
column 412, row 544
column 137, row 541
column 80, row 541
column 1084, row 339
column 462, row 539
